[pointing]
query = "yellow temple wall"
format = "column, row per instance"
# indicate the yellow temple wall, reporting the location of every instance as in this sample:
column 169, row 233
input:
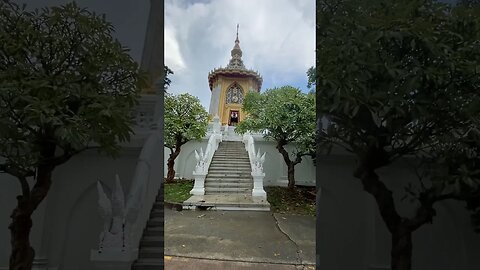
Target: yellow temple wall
column 224, row 109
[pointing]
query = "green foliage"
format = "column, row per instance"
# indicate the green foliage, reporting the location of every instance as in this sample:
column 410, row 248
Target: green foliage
column 286, row 114
column 185, row 119
column 166, row 80
column 63, row 81
column 401, row 78
column 300, row 201
column 178, row 191
column 311, row 77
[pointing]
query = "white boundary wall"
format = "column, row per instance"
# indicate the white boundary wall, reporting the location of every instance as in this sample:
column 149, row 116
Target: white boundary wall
column 67, row 224
column 353, row 235
column 274, row 166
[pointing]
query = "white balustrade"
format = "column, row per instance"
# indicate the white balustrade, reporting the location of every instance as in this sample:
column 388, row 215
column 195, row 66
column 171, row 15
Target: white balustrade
column 256, row 163
column 203, row 163
column 216, row 124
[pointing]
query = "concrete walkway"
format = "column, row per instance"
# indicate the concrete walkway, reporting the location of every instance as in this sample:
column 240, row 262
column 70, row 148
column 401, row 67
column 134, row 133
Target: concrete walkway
column 227, row 202
column 181, row 263
column 242, row 236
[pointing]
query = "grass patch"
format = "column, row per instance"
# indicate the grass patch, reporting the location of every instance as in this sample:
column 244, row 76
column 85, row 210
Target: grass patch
column 299, row 201
column 178, row 191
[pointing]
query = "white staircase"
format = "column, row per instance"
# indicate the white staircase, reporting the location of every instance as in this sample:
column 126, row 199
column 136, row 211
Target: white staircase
column 150, row 256
column 230, row 170
column 228, row 175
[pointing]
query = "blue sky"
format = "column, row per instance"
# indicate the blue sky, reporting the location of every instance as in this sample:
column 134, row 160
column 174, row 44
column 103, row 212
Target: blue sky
column 277, row 38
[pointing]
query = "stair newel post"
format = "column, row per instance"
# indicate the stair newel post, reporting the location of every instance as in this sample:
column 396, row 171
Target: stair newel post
column 256, row 163
column 218, row 140
column 258, row 193
column 216, row 125
column 199, row 173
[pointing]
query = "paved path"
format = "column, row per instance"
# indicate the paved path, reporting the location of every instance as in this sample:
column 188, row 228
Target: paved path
column 245, row 236
column 180, row 263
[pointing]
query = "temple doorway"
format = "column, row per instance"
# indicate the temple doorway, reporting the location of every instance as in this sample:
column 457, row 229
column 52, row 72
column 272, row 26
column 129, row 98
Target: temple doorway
column 234, row 117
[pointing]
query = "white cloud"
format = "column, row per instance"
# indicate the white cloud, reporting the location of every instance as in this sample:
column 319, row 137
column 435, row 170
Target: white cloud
column 174, row 57
column 277, row 38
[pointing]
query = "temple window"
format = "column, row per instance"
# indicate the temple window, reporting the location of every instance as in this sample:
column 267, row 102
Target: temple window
column 234, row 94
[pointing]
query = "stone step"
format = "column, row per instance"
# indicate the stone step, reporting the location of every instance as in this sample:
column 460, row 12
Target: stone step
column 209, row 190
column 230, row 161
column 156, row 213
column 230, row 175
column 227, row 164
column 235, row 165
column 230, row 169
column 230, row 166
column 243, row 187
column 219, row 175
column 231, row 157
column 152, row 241
column 153, row 231
column 149, row 264
column 158, row 206
column 263, row 206
column 228, row 185
column 235, row 159
column 216, row 192
column 224, row 151
column 229, row 180
column 150, row 252
column 232, row 144
column 155, row 222
column 223, row 169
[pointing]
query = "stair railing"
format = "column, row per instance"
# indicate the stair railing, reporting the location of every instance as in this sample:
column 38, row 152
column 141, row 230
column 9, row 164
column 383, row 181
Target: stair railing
column 203, row 162
column 256, row 163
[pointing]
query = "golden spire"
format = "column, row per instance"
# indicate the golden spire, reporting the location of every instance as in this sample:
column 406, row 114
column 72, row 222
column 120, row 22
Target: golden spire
column 236, row 40
column 236, row 60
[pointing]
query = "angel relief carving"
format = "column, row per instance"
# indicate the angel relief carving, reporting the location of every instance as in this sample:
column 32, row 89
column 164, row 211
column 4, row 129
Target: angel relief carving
column 118, row 215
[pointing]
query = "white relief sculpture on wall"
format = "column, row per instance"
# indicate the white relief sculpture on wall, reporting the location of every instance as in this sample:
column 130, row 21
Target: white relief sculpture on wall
column 118, row 215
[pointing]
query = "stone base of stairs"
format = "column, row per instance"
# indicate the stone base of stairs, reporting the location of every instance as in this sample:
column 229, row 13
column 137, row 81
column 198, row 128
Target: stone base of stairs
column 226, row 202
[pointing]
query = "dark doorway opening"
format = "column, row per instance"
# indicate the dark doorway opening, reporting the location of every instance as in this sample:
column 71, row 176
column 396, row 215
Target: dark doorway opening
column 234, row 118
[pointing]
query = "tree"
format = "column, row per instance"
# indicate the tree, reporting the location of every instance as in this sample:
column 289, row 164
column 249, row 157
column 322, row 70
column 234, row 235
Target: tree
column 185, row 120
column 398, row 79
column 166, row 81
column 288, row 117
column 311, row 78
column 65, row 84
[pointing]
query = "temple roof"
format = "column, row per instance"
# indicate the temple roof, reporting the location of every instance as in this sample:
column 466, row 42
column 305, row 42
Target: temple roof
column 235, row 67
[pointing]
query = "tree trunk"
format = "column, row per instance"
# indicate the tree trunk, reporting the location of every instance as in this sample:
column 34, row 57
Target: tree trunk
column 171, row 171
column 290, row 164
column 171, row 163
column 401, row 232
column 291, row 175
column 22, row 254
column 401, row 254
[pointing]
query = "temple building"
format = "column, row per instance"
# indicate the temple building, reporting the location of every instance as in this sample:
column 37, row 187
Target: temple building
column 229, row 86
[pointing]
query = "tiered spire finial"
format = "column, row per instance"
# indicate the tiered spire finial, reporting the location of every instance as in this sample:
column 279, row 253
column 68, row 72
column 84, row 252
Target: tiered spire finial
column 236, row 60
column 236, row 40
